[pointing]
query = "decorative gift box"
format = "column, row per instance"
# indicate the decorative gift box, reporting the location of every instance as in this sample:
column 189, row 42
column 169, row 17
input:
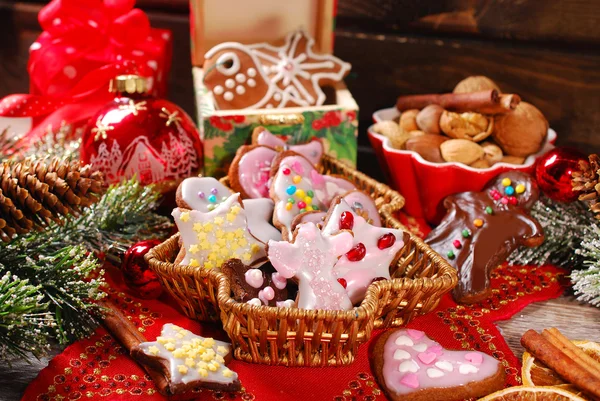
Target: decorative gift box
column 224, row 131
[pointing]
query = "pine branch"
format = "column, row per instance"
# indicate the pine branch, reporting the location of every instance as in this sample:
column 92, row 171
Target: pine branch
column 586, row 283
column 564, row 226
column 24, row 322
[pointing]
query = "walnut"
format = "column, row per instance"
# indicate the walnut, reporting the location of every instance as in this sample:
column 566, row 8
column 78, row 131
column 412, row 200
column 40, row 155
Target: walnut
column 472, row 126
column 522, row 131
column 475, row 83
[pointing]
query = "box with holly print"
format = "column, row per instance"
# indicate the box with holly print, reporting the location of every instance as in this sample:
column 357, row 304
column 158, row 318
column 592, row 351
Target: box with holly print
column 224, row 131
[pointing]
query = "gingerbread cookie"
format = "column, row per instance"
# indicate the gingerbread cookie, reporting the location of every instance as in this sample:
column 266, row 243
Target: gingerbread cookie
column 481, row 229
column 210, row 239
column 297, row 187
column 312, row 150
column 260, row 285
column 250, row 170
column 188, row 360
column 206, row 193
column 264, row 76
column 309, row 259
column 374, row 249
column 409, row 366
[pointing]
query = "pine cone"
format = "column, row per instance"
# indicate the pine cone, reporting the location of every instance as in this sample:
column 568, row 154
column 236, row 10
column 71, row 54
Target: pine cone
column 36, row 192
column 585, row 181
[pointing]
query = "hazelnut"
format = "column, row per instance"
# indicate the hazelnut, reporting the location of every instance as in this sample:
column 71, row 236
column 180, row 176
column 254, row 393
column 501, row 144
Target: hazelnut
column 428, row 119
column 522, row 131
column 472, row 126
column 461, row 150
column 475, row 83
column 408, row 121
column 413, row 134
column 492, row 152
column 428, row 146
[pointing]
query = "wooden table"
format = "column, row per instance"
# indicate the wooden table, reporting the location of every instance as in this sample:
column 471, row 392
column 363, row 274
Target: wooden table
column 575, row 320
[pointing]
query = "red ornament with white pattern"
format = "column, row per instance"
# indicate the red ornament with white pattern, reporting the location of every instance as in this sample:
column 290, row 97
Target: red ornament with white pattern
column 138, row 135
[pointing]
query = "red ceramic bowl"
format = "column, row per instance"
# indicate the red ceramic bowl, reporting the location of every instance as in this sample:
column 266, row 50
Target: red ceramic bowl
column 424, row 184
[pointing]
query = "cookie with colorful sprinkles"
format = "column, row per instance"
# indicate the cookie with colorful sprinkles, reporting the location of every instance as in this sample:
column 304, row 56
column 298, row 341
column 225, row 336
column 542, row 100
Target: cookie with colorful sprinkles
column 481, row 229
column 297, row 187
column 409, row 366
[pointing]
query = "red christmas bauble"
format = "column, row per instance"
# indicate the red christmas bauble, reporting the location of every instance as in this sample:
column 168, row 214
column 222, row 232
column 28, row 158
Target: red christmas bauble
column 553, row 173
column 142, row 281
column 138, row 135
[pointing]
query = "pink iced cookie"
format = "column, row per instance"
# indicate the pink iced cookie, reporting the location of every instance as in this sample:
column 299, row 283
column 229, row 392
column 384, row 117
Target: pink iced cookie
column 410, row 366
column 310, row 258
column 313, row 150
column 374, row 249
column 297, row 187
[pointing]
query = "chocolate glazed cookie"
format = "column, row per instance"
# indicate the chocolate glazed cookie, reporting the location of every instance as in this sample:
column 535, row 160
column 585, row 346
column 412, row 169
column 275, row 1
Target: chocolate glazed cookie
column 481, row 229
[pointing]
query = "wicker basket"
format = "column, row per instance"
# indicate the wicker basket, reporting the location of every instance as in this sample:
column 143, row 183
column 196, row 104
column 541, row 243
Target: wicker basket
column 295, row 337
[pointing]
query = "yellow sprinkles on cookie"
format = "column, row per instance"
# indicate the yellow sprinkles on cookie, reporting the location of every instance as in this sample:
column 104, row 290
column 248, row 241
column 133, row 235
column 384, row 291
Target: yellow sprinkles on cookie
column 210, row 239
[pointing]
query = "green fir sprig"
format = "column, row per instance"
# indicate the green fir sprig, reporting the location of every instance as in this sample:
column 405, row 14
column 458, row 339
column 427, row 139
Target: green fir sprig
column 586, row 282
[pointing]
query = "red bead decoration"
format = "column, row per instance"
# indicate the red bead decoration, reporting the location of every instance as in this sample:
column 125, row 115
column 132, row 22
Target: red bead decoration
column 142, row 281
column 357, row 253
column 153, row 139
column 512, row 200
column 287, row 171
column 553, row 173
column 457, row 244
column 301, row 205
column 346, row 221
column 343, row 282
column 386, row 240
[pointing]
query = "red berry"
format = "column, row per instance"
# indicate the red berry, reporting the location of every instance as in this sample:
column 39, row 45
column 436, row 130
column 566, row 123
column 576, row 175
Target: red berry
column 357, row 253
column 239, row 119
column 287, row 171
column 227, row 126
column 318, row 125
column 346, row 221
column 342, row 282
column 386, row 240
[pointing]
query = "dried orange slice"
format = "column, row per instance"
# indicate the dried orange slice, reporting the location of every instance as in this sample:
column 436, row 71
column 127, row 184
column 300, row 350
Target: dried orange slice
column 534, row 373
column 525, row 393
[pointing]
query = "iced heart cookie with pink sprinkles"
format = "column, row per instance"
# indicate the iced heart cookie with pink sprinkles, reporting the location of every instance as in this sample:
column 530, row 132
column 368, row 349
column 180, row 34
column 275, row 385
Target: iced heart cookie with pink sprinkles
column 374, row 249
column 210, row 239
column 409, row 366
column 309, row 259
column 297, row 187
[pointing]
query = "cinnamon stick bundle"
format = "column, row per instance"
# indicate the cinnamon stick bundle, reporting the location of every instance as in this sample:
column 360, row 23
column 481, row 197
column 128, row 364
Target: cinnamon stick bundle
column 485, row 102
column 566, row 360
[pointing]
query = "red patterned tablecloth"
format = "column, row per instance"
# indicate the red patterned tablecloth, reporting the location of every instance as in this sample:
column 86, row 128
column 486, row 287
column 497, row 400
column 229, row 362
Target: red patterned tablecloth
column 98, row 368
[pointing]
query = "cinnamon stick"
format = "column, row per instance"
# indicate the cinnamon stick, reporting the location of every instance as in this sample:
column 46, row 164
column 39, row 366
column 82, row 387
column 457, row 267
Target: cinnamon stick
column 562, row 364
column 574, row 352
column 128, row 335
column 486, row 102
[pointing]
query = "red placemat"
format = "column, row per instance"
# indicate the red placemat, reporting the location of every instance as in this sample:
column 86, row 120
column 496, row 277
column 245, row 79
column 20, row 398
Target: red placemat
column 98, row 368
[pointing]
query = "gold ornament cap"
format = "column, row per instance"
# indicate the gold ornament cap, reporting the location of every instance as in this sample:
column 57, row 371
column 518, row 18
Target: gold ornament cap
column 130, row 84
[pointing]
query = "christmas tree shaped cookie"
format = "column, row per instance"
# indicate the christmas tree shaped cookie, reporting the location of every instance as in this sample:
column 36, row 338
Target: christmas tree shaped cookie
column 210, row 239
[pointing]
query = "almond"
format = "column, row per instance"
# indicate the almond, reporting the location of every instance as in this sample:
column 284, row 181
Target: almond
column 408, row 120
column 461, row 150
column 428, row 119
column 513, row 160
column 393, row 131
column 481, row 163
column 428, row 146
column 493, row 153
column 413, row 134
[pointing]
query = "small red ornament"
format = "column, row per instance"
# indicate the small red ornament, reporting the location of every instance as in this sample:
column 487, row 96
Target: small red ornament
column 553, row 173
column 346, row 221
column 386, row 240
column 457, row 244
column 136, row 134
column 357, row 253
column 142, row 281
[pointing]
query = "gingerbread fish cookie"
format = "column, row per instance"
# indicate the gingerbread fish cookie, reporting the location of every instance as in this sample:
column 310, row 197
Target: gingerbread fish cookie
column 212, row 238
column 258, row 285
column 265, row 76
column 297, row 187
column 206, row 193
column 481, row 229
column 409, row 366
column 188, row 361
column 374, row 249
column 309, row 259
